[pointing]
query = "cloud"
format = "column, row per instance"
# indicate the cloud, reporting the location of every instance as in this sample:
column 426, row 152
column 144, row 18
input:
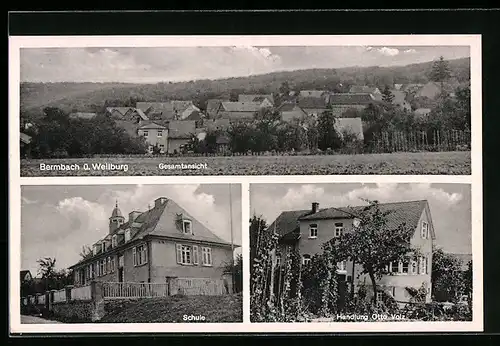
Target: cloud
column 388, row 51
column 409, row 51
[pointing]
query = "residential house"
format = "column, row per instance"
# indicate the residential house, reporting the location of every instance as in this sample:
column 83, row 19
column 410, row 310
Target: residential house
column 157, row 111
column 263, row 99
column 222, row 143
column 180, row 132
column 313, row 106
column 184, row 109
column 82, row 115
column 422, row 113
column 307, row 230
column 216, row 124
column 313, row 93
column 353, row 126
column 163, row 243
column 364, row 89
column 26, row 276
column 156, row 136
column 129, row 114
column 291, row 111
column 342, row 102
column 399, row 99
column 238, row 111
column 25, row 145
column 117, row 112
column 213, row 106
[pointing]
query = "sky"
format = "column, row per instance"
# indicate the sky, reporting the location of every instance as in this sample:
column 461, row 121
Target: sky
column 164, row 64
column 56, row 221
column 450, row 204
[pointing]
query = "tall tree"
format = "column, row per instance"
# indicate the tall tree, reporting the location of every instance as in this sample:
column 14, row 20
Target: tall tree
column 85, row 252
column 447, row 276
column 372, row 244
column 440, row 72
column 387, row 95
column 328, row 138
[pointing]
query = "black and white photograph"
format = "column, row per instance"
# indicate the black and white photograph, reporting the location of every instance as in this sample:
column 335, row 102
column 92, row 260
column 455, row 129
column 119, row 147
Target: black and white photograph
column 131, row 254
column 352, row 252
column 245, row 109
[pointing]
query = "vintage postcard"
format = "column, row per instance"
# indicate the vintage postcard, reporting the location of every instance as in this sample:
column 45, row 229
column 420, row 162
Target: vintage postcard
column 245, row 184
column 245, row 105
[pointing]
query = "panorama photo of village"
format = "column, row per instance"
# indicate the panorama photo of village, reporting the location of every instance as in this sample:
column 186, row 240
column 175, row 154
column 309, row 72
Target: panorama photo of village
column 245, row 110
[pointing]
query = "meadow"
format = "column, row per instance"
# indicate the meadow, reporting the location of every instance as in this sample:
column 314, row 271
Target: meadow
column 444, row 163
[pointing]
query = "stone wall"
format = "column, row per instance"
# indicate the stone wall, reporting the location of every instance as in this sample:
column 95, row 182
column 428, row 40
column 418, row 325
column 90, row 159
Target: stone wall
column 74, row 311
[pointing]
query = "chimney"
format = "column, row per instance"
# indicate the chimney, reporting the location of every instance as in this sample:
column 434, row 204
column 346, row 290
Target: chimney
column 315, row 207
column 133, row 215
column 159, row 201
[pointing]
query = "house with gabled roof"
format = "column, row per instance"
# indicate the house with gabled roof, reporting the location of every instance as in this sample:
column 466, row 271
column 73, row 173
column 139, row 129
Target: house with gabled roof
column 291, row 111
column 342, row 102
column 158, row 245
column 307, row 230
column 156, row 135
column 313, row 106
column 265, row 100
column 180, row 132
column 213, row 106
column 238, row 111
column 364, row 89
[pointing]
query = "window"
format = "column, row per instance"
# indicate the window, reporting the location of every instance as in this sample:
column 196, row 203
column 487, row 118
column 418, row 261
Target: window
column 405, row 266
column 306, row 259
column 206, row 253
column 101, row 268
column 140, row 255
column 98, row 268
column 394, row 267
column 160, row 133
column 339, row 229
column 341, row 266
column 120, row 261
column 425, row 230
column 87, row 272
column 145, row 133
column 103, row 246
column 313, row 231
column 187, row 227
column 127, row 235
column 423, row 265
column 278, row 260
column 95, row 249
column 104, row 269
column 113, row 267
column 426, row 265
column 380, row 295
column 414, row 269
column 195, row 254
column 162, row 148
column 114, row 240
column 108, row 268
column 184, row 255
column 393, row 291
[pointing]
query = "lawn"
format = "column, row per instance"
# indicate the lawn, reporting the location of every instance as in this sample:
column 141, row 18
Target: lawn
column 452, row 163
column 227, row 308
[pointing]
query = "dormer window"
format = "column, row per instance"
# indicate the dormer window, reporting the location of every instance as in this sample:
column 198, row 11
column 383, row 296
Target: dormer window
column 127, row 235
column 313, row 231
column 95, row 249
column 103, row 246
column 114, row 240
column 187, row 227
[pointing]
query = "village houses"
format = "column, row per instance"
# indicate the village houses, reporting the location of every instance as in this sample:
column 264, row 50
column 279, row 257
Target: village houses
column 159, row 245
column 307, row 230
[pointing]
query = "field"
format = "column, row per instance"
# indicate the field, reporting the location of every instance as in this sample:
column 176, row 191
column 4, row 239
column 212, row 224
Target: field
column 450, row 163
column 227, row 308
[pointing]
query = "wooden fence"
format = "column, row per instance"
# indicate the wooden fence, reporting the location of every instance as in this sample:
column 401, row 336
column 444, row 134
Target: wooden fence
column 400, row 141
column 81, row 293
column 124, row 290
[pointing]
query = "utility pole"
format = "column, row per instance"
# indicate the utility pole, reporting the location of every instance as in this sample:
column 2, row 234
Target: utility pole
column 232, row 240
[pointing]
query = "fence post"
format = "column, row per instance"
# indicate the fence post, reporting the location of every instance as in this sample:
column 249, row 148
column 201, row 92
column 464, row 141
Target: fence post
column 68, row 292
column 97, row 294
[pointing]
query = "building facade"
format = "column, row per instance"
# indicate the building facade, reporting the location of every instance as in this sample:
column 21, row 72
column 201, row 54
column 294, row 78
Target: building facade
column 155, row 135
column 155, row 246
column 307, row 230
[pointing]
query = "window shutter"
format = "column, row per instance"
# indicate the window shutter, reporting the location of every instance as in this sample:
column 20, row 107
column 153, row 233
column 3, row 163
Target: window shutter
column 426, row 265
column 134, row 259
column 179, row 253
column 195, row 254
